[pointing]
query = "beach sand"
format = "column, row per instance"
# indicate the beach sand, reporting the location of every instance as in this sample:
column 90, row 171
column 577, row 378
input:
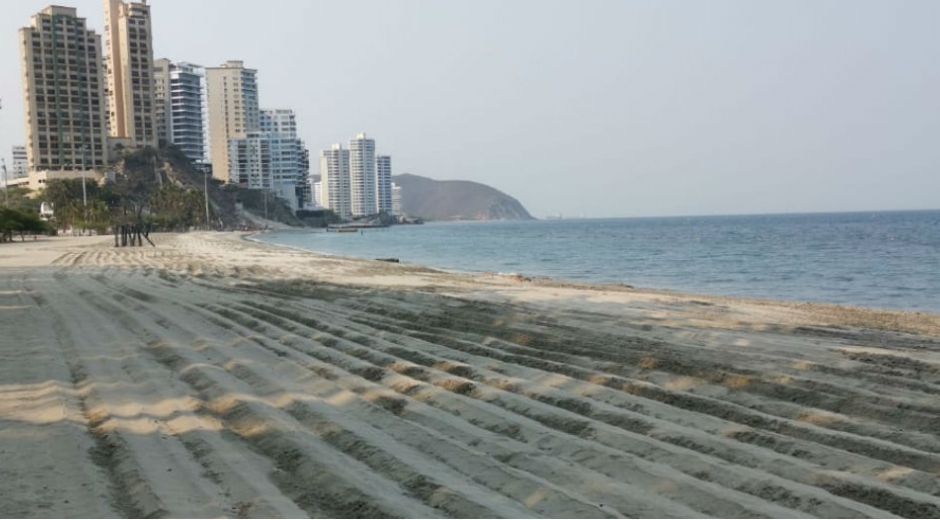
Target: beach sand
column 213, row 376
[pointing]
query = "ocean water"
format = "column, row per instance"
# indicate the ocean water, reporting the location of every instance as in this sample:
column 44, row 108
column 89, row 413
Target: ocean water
column 884, row 259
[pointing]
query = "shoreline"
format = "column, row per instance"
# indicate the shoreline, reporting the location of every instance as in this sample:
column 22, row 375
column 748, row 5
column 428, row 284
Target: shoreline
column 545, row 281
column 785, row 257
column 837, row 314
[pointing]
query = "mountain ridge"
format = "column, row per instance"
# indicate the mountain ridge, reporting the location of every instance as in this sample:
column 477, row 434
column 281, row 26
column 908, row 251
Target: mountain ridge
column 433, row 199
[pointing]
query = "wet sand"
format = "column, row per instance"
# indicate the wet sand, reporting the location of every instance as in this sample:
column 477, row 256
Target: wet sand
column 213, row 376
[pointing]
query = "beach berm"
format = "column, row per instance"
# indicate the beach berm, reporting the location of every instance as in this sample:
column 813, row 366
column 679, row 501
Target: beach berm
column 212, row 376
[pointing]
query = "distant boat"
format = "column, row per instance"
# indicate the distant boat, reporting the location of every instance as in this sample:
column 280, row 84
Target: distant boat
column 554, row 217
column 354, row 227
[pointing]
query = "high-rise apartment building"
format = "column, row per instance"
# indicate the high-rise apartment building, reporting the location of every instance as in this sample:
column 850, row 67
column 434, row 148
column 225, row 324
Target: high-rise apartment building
column 335, row 182
column 161, row 96
column 180, row 101
column 129, row 72
column 63, row 93
column 289, row 166
column 281, row 161
column 397, row 206
column 317, row 192
column 289, row 161
column 281, row 121
column 271, row 159
column 383, row 183
column 306, row 181
column 249, row 160
column 362, row 185
column 19, row 168
column 232, row 111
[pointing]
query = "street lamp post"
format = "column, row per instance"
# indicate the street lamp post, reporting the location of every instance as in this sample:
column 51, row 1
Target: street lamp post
column 6, row 186
column 84, row 192
column 205, row 190
column 265, row 192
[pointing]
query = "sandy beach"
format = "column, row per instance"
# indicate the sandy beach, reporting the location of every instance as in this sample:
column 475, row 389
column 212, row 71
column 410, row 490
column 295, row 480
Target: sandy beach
column 212, row 376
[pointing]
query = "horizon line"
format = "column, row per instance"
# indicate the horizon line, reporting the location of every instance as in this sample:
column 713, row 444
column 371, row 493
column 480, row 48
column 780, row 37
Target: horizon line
column 772, row 214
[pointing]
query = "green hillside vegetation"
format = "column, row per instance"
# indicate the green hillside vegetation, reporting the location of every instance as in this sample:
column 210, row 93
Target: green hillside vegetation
column 157, row 188
column 277, row 210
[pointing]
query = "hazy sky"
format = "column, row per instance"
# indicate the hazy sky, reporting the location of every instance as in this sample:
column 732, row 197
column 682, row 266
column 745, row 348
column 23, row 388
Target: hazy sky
column 601, row 108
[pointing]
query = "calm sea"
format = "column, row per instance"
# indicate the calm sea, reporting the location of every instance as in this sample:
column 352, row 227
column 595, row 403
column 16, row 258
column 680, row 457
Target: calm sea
column 883, row 259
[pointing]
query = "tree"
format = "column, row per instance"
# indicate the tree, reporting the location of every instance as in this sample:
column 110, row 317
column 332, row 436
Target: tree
column 21, row 199
column 63, row 193
column 13, row 221
column 60, row 191
column 175, row 208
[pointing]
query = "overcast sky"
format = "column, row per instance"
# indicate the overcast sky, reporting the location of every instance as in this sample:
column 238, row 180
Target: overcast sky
column 596, row 108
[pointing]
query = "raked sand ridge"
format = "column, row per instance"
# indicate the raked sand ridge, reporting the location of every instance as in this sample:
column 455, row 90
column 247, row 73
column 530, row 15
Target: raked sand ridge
column 213, row 376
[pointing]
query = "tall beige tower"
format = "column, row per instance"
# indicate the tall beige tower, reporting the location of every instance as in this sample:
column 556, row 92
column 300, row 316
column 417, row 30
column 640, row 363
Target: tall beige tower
column 129, row 70
column 232, row 111
column 63, row 93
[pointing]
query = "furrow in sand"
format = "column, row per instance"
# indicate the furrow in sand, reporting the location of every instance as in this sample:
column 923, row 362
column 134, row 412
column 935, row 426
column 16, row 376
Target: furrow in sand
column 777, row 432
column 644, row 359
column 564, row 426
column 292, row 398
column 426, row 479
column 315, row 476
column 718, row 446
column 97, row 370
column 731, row 380
column 435, row 436
column 546, row 464
column 631, row 354
column 664, row 423
column 140, row 415
column 588, row 370
column 41, row 403
column 482, row 355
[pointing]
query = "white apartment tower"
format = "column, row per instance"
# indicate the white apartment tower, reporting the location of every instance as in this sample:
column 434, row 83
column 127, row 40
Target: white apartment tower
column 397, row 206
column 317, row 191
column 19, row 168
column 281, row 121
column 249, row 160
column 272, row 158
column 307, row 179
column 232, row 111
column 383, row 183
column 335, row 180
column 129, row 72
column 161, row 95
column 180, row 101
column 63, row 93
column 362, row 185
column 289, row 161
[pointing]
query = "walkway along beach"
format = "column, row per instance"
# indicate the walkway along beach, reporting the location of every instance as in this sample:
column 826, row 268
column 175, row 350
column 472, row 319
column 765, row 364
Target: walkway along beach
column 213, row 376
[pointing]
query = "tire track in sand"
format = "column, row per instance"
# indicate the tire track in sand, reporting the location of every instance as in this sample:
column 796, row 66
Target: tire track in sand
column 352, row 402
